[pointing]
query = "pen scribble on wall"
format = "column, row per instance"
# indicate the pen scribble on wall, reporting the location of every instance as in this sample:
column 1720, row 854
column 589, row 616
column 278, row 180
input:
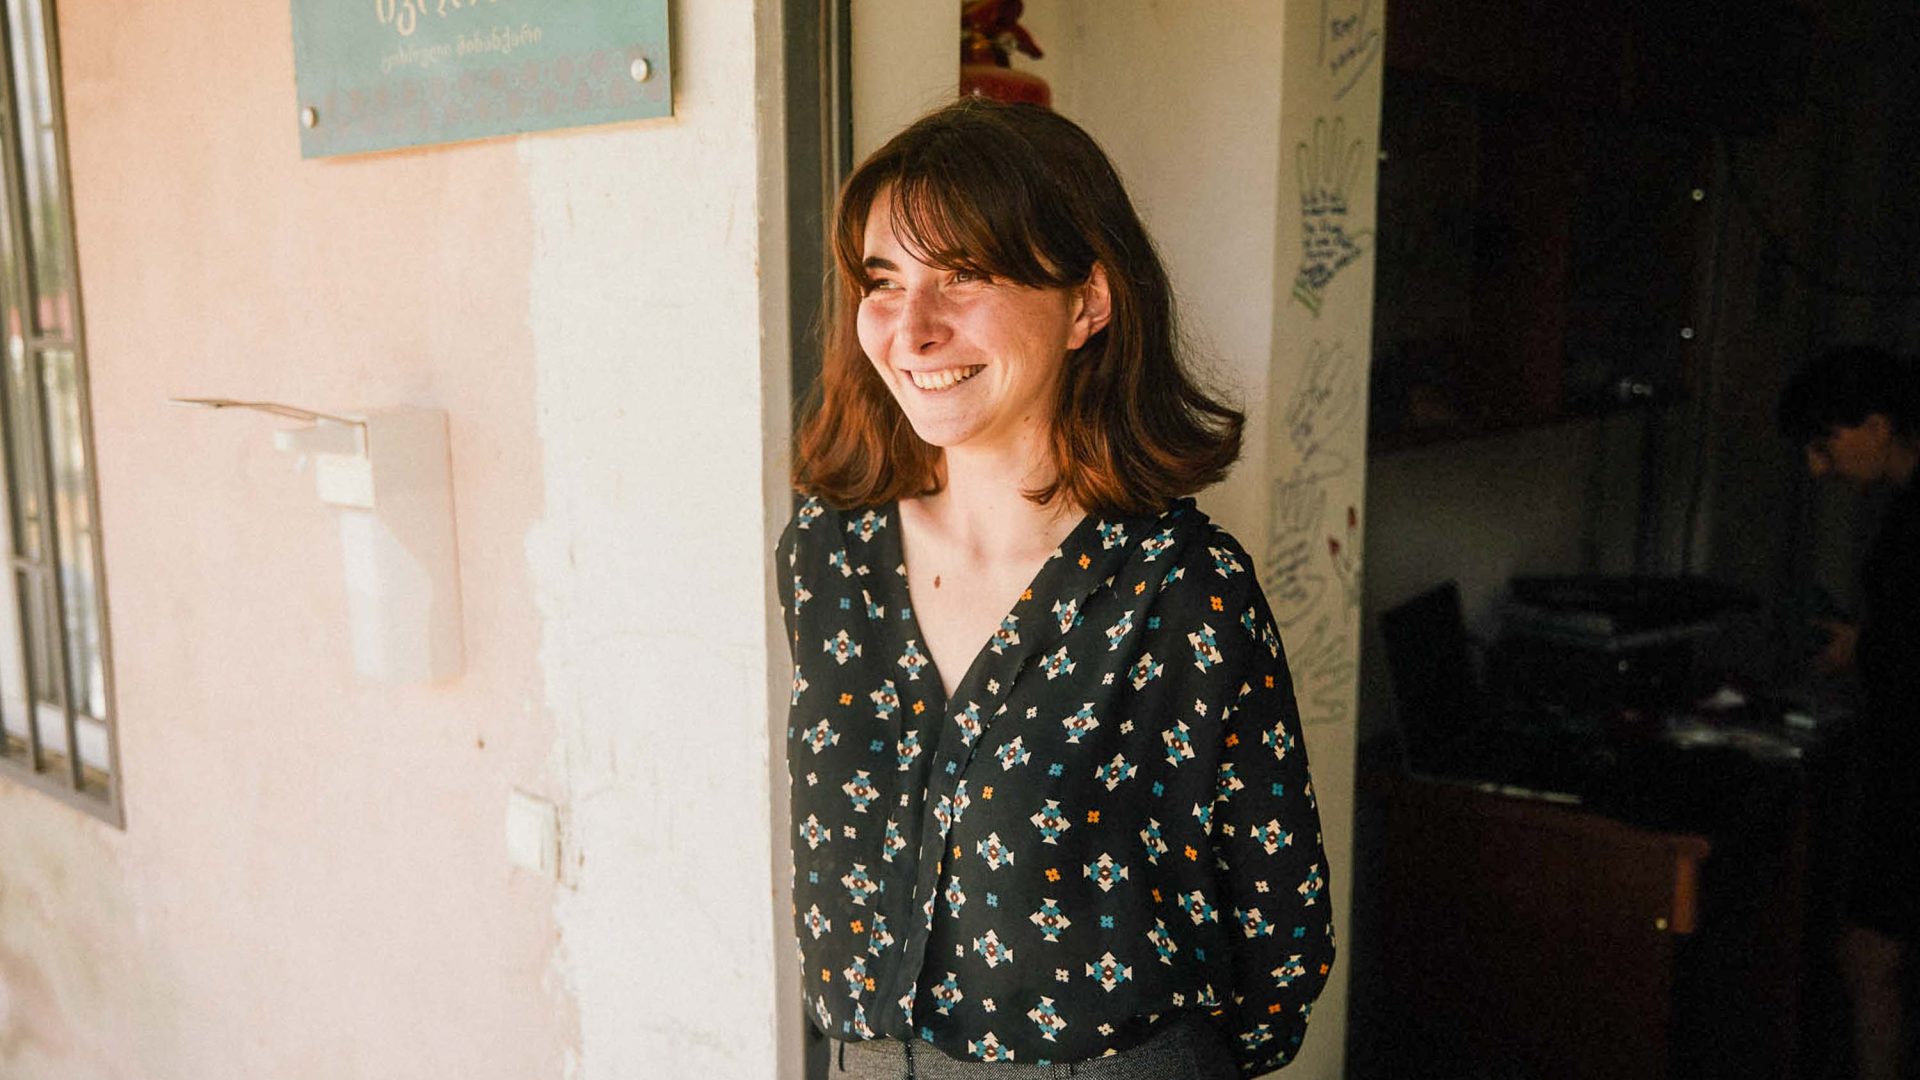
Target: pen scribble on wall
column 1327, row 167
column 1308, row 550
column 1325, row 403
column 1323, row 669
column 1349, row 41
column 1294, row 583
column 1326, row 399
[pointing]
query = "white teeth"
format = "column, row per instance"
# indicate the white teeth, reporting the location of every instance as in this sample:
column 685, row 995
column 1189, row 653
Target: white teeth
column 944, row 378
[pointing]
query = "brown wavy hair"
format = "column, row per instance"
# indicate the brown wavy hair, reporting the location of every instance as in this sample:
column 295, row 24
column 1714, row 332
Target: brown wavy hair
column 1023, row 195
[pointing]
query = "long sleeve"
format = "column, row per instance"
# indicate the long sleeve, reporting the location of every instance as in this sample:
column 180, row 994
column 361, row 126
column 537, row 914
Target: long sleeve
column 1267, row 845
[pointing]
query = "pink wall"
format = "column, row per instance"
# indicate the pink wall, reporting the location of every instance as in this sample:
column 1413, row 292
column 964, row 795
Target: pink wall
column 312, row 881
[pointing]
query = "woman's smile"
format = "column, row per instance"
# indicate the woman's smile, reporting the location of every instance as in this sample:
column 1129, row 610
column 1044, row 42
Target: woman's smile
column 944, row 378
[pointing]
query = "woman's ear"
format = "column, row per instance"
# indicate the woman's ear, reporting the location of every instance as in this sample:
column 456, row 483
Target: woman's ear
column 1093, row 307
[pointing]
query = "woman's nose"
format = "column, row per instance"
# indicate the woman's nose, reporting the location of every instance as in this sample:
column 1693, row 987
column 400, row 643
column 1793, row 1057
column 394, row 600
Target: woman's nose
column 925, row 322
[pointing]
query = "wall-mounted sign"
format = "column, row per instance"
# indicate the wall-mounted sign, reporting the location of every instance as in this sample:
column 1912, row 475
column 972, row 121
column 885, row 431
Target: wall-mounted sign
column 382, row 74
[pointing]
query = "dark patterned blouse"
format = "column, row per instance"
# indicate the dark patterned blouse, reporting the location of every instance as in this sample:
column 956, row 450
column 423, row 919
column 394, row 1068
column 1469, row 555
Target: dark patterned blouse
column 1109, row 823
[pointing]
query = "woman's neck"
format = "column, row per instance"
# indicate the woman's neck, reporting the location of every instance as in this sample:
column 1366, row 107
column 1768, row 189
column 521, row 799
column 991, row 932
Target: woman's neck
column 982, row 505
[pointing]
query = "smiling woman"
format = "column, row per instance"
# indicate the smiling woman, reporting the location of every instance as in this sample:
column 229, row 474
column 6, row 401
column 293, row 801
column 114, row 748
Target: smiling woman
column 1047, row 774
column 995, row 196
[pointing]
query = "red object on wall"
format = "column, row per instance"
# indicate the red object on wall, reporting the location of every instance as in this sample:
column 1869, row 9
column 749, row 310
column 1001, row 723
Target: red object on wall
column 1004, row 84
column 990, row 32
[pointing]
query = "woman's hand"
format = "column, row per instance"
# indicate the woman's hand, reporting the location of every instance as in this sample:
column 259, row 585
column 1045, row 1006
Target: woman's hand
column 1837, row 654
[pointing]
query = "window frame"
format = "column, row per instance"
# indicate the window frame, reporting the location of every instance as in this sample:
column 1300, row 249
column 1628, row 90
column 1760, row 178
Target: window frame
column 66, row 776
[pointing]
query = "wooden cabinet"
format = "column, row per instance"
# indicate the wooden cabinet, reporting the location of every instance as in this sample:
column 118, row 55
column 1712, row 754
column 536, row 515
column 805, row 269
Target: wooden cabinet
column 1530, row 937
column 1522, row 938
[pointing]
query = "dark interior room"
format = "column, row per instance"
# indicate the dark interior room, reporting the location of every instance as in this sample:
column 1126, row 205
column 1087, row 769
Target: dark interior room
column 1608, row 233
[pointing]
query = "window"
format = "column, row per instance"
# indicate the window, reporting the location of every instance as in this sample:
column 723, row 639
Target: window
column 56, row 725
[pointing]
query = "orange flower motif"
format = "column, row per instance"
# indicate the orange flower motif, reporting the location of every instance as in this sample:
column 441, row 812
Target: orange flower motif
column 1139, row 587
column 1217, row 605
column 1085, row 562
column 956, row 851
column 1271, row 1009
column 1156, row 896
column 987, row 792
column 1093, row 817
column 1269, row 682
column 1052, row 874
column 824, row 977
column 846, row 699
column 1026, row 594
column 1233, row 740
column 1192, row 855
column 869, row 984
column 921, row 706
column 857, row 926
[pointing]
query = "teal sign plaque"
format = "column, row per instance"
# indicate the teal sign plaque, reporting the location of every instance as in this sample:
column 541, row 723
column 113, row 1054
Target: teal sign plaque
column 384, row 74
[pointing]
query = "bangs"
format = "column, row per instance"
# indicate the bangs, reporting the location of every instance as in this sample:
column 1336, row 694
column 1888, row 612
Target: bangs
column 955, row 207
column 942, row 224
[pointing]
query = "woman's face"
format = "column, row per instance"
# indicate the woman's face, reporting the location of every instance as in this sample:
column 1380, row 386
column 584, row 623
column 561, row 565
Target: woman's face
column 973, row 362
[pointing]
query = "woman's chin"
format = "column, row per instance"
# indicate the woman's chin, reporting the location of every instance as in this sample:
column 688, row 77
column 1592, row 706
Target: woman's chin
column 943, row 436
column 944, row 432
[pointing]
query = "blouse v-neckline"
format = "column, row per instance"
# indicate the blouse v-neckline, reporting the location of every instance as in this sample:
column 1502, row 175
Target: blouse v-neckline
column 1036, row 586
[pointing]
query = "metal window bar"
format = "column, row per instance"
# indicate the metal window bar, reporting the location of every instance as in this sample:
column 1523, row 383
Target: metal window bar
column 59, row 658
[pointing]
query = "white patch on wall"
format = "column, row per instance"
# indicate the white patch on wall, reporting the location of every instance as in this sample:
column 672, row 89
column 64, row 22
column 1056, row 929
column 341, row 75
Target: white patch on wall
column 650, row 566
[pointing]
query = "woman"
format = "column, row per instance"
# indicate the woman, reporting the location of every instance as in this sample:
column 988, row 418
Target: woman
column 1856, row 413
column 1047, row 779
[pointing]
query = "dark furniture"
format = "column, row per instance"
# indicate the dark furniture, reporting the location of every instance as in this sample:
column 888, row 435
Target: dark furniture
column 1679, row 928
column 1527, row 938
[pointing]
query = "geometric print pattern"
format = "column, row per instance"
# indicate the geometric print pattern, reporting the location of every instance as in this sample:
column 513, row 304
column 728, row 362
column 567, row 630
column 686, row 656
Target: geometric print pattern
column 1110, row 825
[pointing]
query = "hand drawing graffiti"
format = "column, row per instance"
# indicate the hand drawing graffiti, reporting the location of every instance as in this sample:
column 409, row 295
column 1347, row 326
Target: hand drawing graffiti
column 1326, row 399
column 1323, row 671
column 1292, row 583
column 1327, row 168
column 1349, row 41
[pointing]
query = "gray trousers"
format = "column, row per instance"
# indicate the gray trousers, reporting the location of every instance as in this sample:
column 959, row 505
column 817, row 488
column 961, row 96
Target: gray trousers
column 1187, row 1049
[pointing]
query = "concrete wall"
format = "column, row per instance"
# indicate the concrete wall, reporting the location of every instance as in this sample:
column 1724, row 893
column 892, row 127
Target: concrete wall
column 906, row 61
column 313, row 881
